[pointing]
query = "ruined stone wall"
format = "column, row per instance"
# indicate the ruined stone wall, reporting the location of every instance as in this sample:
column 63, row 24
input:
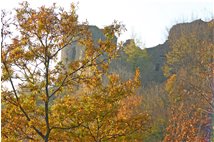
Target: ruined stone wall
column 151, row 66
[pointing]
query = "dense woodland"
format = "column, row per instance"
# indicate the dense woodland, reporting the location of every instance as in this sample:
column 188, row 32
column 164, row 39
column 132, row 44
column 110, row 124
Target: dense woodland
column 44, row 99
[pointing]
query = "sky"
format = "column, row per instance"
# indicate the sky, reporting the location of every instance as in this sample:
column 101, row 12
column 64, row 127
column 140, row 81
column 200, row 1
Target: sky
column 146, row 20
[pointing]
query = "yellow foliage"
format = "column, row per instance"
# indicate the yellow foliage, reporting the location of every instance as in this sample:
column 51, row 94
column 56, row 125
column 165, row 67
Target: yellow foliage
column 54, row 101
column 170, row 83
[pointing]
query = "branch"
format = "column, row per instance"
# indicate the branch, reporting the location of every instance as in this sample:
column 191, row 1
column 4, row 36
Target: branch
column 87, row 127
column 17, row 99
column 202, row 94
column 66, row 128
column 12, row 84
column 83, row 66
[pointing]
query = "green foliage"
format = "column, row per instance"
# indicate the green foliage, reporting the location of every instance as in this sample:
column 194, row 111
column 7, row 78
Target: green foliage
column 135, row 55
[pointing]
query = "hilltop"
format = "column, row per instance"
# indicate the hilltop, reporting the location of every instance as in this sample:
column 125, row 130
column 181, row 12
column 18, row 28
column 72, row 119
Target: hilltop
column 149, row 60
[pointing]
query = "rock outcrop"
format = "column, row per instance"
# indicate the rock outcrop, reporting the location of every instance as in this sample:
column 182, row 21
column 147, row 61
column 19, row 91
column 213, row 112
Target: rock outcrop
column 149, row 60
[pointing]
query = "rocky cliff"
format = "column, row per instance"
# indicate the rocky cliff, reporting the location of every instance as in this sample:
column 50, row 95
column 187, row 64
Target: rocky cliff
column 149, row 60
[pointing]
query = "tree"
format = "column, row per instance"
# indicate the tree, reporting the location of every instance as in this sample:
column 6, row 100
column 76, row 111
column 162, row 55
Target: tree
column 155, row 101
column 189, row 69
column 104, row 114
column 43, row 102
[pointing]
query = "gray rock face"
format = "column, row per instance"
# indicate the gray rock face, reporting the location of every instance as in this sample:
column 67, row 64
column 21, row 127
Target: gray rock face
column 75, row 52
column 150, row 60
column 153, row 71
column 198, row 27
column 121, row 67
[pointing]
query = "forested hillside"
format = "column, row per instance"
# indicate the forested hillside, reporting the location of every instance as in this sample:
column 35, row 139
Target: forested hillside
column 99, row 90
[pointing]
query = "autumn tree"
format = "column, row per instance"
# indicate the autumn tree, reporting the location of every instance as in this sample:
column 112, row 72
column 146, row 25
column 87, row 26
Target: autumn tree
column 40, row 99
column 155, row 102
column 189, row 69
column 108, row 113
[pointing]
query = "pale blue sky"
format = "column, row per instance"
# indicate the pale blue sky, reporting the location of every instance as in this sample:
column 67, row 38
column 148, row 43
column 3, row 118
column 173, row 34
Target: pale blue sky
column 146, row 19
